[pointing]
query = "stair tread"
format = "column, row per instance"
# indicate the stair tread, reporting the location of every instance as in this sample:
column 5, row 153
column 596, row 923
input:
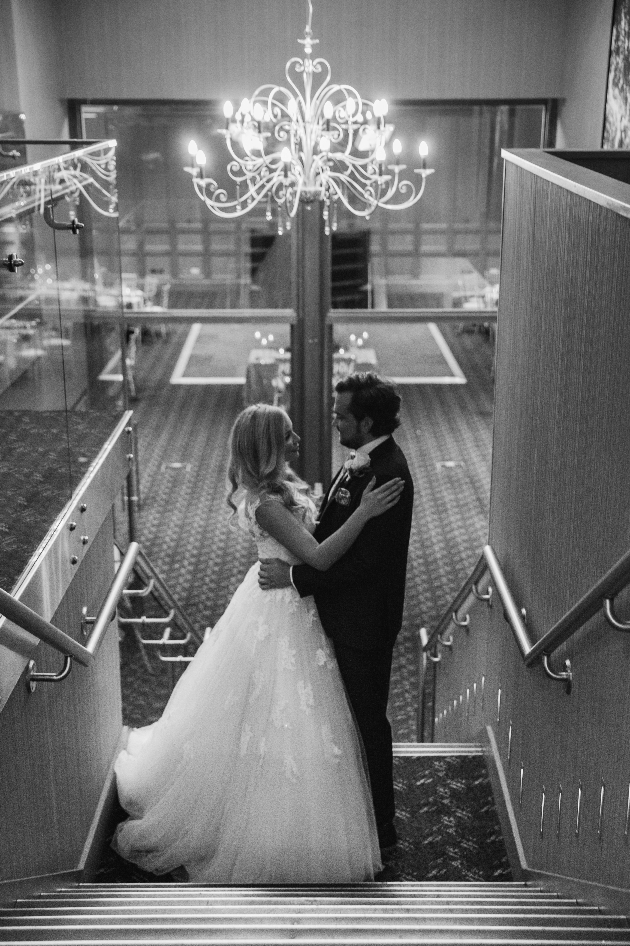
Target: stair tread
column 208, row 921
column 414, row 937
column 341, row 910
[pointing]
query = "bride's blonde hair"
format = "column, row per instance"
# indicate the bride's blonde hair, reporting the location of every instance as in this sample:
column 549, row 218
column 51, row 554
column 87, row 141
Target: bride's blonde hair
column 257, row 456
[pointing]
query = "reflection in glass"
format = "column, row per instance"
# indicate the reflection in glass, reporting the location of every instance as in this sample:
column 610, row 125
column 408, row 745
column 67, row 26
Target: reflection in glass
column 59, row 326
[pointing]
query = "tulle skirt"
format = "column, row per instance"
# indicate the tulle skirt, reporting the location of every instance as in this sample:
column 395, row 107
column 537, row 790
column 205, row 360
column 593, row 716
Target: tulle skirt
column 255, row 773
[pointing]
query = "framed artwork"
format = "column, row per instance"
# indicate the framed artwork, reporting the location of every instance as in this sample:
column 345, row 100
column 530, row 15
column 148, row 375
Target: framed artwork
column 617, row 112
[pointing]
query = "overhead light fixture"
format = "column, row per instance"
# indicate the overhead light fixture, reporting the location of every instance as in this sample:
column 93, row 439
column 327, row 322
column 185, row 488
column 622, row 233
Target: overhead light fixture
column 321, row 142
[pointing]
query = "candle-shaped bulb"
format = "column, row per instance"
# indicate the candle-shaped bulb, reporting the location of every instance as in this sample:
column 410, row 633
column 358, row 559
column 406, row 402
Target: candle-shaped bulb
column 377, row 108
column 384, row 107
column 379, row 154
column 228, row 110
column 292, row 107
column 192, row 148
column 245, row 107
column 258, row 112
column 350, row 107
column 324, row 144
column 396, row 146
column 200, row 158
column 328, row 110
column 285, row 156
column 424, row 150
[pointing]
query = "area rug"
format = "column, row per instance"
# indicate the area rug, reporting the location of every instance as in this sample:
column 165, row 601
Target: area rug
column 407, row 353
column 217, row 354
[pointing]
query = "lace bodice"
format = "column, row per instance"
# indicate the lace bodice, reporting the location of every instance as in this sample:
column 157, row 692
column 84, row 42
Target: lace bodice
column 266, row 545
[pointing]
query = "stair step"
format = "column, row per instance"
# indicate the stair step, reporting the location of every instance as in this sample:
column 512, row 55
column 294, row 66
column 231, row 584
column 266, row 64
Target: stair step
column 437, row 749
column 209, row 919
column 254, row 909
column 409, row 885
column 168, row 897
column 367, row 936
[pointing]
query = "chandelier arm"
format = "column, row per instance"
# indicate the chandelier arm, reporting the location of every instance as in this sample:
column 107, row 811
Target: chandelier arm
column 98, row 164
column 412, row 199
column 80, row 180
column 235, row 208
column 364, row 211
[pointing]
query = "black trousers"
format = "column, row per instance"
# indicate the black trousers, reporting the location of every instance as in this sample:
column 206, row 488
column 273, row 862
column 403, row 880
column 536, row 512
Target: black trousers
column 366, row 677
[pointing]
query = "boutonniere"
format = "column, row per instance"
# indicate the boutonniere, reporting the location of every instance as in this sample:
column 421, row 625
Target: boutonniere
column 358, row 464
column 343, row 497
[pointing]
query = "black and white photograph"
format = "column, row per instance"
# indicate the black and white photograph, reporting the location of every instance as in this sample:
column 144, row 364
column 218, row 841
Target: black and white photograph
column 314, row 480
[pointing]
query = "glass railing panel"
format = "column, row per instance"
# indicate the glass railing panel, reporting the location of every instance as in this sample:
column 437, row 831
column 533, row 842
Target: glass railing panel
column 51, row 426
column 90, row 293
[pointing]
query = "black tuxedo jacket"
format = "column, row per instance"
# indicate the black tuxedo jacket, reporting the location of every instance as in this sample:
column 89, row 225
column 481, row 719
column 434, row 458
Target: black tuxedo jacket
column 360, row 598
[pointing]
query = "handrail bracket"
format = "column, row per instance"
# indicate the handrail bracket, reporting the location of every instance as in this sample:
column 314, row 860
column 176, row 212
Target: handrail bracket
column 611, row 617
column 33, row 676
column 565, row 676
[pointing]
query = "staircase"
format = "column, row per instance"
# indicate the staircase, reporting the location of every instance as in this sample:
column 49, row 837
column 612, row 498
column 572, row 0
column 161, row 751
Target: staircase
column 369, row 914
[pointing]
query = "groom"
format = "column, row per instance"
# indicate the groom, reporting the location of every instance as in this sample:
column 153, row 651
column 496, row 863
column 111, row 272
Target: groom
column 360, row 598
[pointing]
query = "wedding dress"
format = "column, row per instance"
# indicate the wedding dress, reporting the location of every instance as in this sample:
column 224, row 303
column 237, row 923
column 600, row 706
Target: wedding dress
column 254, row 774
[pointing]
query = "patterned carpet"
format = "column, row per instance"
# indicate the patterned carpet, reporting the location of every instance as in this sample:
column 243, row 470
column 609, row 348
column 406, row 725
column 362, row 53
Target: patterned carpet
column 445, row 433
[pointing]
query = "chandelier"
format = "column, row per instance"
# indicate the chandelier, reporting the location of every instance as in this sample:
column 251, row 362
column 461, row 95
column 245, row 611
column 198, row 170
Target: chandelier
column 320, row 142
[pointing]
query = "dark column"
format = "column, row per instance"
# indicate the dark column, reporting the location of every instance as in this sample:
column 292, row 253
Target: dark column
column 311, row 344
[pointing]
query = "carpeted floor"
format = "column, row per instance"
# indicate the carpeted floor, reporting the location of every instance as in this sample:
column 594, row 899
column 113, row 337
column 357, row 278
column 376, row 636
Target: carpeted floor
column 184, row 526
column 447, row 823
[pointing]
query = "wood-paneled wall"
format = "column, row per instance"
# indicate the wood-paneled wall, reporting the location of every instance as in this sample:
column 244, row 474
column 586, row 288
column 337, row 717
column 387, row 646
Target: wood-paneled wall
column 560, row 518
column 57, row 744
column 197, row 49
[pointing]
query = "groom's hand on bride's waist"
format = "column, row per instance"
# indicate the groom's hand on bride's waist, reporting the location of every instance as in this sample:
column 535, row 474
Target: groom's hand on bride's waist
column 274, row 573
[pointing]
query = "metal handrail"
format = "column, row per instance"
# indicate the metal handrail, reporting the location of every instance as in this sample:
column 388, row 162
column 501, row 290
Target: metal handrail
column 412, row 315
column 36, row 625
column 108, row 607
column 461, row 596
column 600, row 596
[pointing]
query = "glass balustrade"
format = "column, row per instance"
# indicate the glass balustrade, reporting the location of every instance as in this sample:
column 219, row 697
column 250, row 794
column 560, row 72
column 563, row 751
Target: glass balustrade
column 60, row 330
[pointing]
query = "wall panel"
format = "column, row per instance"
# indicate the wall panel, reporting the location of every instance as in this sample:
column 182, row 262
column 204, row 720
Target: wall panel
column 56, row 744
column 197, row 49
column 559, row 519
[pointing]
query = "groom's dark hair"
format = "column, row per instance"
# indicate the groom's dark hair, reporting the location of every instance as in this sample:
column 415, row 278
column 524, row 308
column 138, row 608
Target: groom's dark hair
column 372, row 397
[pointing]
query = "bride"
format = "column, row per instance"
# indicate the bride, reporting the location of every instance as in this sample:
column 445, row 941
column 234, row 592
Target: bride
column 255, row 774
